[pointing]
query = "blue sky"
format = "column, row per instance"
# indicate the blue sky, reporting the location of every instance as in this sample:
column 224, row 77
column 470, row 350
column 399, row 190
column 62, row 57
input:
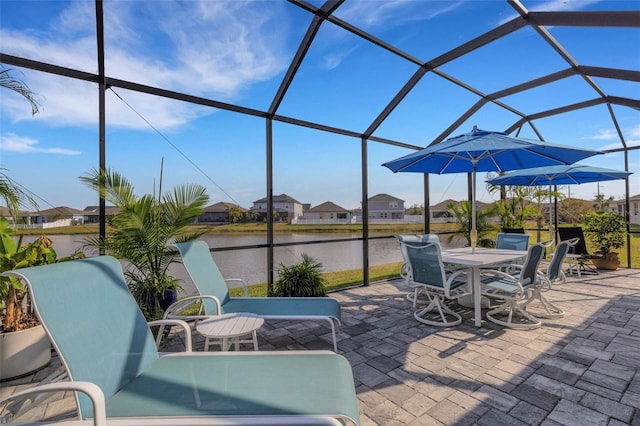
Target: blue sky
column 238, row 52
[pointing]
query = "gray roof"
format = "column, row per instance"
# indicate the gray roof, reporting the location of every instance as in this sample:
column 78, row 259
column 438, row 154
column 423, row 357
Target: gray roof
column 222, row 207
column 327, row 207
column 282, row 198
column 384, row 197
column 60, row 211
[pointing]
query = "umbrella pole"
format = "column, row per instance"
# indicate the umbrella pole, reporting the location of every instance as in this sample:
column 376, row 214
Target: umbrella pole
column 473, row 235
column 551, row 236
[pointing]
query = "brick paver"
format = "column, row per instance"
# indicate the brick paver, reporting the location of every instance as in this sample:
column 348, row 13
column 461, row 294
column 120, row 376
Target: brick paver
column 583, row 369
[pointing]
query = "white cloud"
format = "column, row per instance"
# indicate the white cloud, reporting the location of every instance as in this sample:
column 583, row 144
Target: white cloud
column 631, row 135
column 219, row 54
column 370, row 14
column 604, row 135
column 555, row 6
column 333, row 60
column 14, row 143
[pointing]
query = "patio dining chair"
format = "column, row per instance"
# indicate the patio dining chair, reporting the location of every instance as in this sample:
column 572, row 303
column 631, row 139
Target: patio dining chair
column 214, row 295
column 512, row 241
column 404, row 268
column 553, row 273
column 513, row 289
column 578, row 254
column 427, row 275
column 102, row 337
column 513, row 230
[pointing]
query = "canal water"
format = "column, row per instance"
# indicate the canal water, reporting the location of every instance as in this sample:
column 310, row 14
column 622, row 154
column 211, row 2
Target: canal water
column 250, row 264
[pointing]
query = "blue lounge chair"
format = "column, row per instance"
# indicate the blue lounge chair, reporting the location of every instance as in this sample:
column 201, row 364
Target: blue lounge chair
column 213, row 292
column 102, row 337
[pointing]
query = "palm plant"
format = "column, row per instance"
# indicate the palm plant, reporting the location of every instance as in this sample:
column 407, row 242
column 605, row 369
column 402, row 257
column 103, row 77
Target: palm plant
column 463, row 213
column 13, row 195
column 140, row 233
column 514, row 206
column 10, row 82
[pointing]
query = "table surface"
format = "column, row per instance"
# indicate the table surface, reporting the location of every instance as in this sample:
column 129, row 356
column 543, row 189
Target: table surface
column 230, row 325
column 482, row 256
column 475, row 260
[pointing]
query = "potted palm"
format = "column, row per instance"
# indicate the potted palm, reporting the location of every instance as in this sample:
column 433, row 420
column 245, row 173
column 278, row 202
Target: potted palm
column 141, row 232
column 607, row 232
column 24, row 346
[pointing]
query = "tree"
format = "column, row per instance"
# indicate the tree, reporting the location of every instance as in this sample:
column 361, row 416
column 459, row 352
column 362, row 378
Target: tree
column 463, row 213
column 514, row 207
column 571, row 209
column 415, row 210
column 14, row 196
column 601, row 203
column 10, row 82
column 10, row 191
column 142, row 231
column 235, row 214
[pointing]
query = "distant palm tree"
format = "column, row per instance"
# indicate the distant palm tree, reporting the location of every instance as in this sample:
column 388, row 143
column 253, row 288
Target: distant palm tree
column 10, row 191
column 463, row 213
column 10, row 82
column 140, row 233
column 14, row 196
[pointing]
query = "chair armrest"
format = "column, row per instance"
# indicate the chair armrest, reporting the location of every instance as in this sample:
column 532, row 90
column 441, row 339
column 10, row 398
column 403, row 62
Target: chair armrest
column 90, row 389
column 185, row 327
column 244, row 284
column 404, row 270
column 181, row 304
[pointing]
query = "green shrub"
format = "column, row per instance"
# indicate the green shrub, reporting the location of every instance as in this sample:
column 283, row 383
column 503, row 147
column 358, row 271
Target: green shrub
column 302, row 279
column 607, row 231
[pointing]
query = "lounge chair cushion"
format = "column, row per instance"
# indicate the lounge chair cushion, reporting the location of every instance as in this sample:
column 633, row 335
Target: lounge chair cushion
column 102, row 337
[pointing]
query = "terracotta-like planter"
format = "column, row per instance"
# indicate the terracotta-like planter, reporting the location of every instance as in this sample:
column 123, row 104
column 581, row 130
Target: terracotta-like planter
column 23, row 352
column 610, row 262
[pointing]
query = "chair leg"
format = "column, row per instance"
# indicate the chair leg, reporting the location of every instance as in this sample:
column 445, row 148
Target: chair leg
column 551, row 310
column 511, row 308
column 443, row 311
column 418, row 296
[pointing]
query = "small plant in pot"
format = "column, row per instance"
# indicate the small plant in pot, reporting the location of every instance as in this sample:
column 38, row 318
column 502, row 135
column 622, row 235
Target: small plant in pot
column 303, row 279
column 24, row 346
column 607, row 232
column 141, row 232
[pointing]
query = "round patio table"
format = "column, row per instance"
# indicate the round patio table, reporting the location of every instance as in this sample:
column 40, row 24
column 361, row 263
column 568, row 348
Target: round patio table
column 226, row 330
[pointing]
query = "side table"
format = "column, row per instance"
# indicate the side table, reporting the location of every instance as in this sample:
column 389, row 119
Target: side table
column 228, row 328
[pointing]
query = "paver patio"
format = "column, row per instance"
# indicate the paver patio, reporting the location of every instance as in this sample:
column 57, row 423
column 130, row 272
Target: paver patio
column 579, row 370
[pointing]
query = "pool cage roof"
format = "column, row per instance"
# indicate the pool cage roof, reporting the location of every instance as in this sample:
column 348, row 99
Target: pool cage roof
column 609, row 85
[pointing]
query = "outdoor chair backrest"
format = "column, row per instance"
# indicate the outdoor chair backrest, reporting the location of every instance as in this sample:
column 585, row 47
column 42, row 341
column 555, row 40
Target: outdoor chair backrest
column 426, row 265
column 414, row 238
column 574, row 232
column 512, row 241
column 528, row 275
column 555, row 265
column 93, row 321
column 430, row 238
column 204, row 272
column 513, row 230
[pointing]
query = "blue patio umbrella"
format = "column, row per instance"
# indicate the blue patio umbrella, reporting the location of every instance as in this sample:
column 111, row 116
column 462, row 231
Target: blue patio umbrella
column 486, row 151
column 558, row 175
